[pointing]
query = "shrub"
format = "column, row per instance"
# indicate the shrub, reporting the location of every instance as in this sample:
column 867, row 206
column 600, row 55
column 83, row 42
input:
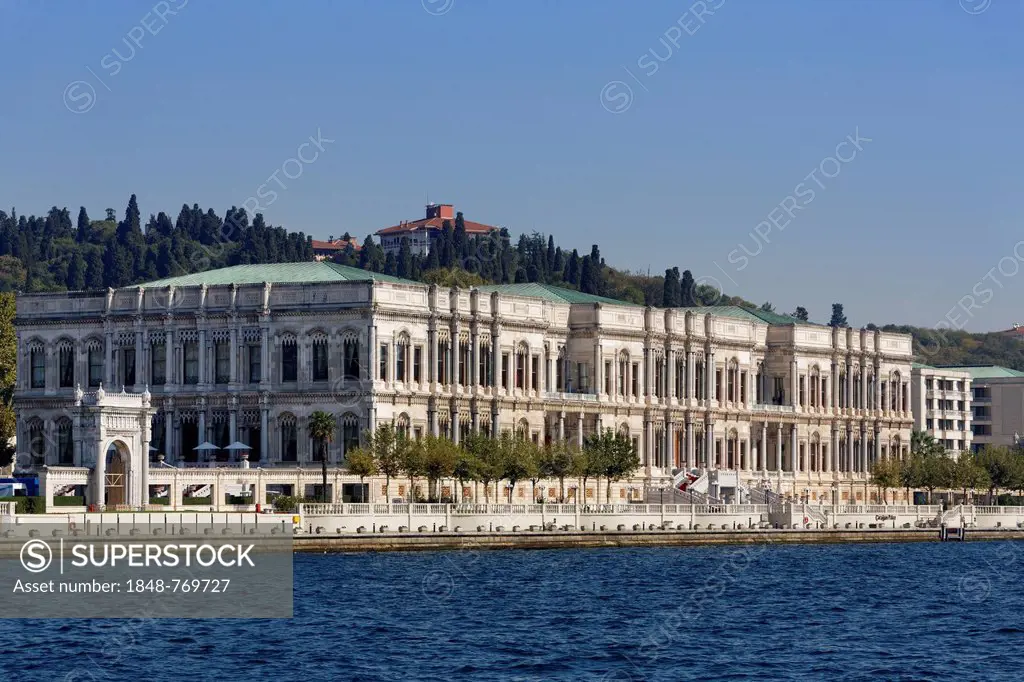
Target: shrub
column 69, row 501
column 198, row 501
column 27, row 505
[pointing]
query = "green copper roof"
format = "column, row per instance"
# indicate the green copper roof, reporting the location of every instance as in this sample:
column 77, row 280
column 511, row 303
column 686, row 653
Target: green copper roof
column 986, row 371
column 277, row 273
column 549, row 293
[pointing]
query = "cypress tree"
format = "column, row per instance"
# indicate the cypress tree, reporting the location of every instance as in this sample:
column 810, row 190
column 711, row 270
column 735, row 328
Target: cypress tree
column 838, row 316
column 76, row 272
column 94, row 270
column 588, row 276
column 688, row 290
column 83, row 233
column 404, row 266
column 670, row 295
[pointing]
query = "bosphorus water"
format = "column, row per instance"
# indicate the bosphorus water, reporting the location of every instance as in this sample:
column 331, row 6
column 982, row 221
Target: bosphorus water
column 929, row 611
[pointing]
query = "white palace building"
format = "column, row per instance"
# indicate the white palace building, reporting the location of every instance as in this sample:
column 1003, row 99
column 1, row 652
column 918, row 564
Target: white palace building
column 117, row 389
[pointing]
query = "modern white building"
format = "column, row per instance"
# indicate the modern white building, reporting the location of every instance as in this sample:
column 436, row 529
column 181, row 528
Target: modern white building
column 942, row 405
column 247, row 353
column 997, row 405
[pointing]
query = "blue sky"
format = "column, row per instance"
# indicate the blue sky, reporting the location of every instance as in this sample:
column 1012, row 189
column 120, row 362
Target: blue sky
column 668, row 134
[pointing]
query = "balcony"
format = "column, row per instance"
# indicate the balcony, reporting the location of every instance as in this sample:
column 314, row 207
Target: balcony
column 571, row 397
column 777, row 409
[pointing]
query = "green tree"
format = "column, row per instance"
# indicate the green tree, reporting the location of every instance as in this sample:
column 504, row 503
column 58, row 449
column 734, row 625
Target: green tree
column 688, row 290
column 94, row 271
column 801, row 313
column 322, row 427
column 768, row 307
column 76, row 272
column 996, row 460
column 936, row 473
column 517, row 459
column 386, row 447
column 670, row 297
column 360, row 462
column 622, row 461
column 487, row 455
column 885, row 475
column 969, row 475
column 466, row 466
column 440, row 457
column 413, row 459
column 838, row 317
column 559, row 464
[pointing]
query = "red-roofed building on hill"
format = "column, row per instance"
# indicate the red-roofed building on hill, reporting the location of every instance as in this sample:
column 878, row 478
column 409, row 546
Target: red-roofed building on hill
column 333, row 247
column 423, row 232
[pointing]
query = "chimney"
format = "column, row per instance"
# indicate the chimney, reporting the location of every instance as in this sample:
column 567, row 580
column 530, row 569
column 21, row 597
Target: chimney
column 442, row 211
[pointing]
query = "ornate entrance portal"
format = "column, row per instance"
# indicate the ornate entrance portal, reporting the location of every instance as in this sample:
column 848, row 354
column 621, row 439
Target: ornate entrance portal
column 116, row 479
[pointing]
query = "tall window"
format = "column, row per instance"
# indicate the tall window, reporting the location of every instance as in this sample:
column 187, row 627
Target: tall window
column 255, row 364
column 191, row 362
column 67, row 367
column 521, row 370
column 559, row 374
column 289, row 441
column 350, row 432
column 443, row 349
column 350, row 358
column 504, row 370
column 289, row 362
column 608, row 376
column 36, row 442
column 222, row 362
column 401, row 353
column 622, row 377
column 534, row 369
column 65, row 444
column 128, row 366
column 486, row 365
column 37, row 358
column 383, row 368
column 583, row 377
column 417, row 364
column 158, row 364
column 95, row 367
column 636, row 379
column 320, row 359
column 464, row 366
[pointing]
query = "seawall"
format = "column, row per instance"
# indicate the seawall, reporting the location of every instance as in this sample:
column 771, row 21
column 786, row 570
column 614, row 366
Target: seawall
column 396, row 542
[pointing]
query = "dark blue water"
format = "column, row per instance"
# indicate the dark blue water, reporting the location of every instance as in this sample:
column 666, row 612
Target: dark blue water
column 952, row 611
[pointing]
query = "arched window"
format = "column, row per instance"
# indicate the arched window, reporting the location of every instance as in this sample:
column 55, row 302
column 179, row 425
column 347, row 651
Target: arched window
column 349, row 432
column 289, row 359
column 66, row 363
column 37, row 363
column 402, row 358
column 94, row 349
column 350, row 356
column 319, row 356
column 37, row 441
column 402, row 425
column 65, row 443
column 289, row 438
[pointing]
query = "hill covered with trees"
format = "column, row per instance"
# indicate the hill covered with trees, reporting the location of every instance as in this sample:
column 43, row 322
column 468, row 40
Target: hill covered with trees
column 54, row 252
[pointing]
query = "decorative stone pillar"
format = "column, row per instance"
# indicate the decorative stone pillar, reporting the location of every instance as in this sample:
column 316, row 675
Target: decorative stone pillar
column 762, row 449
column 109, row 371
column 710, row 379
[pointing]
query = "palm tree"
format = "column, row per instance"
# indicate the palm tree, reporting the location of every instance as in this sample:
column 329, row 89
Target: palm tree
column 321, row 429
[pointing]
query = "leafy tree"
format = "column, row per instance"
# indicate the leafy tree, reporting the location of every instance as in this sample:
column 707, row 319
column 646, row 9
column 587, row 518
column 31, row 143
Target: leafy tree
column 413, row 460
column 94, row 271
column 466, row 467
column 440, row 457
column 360, row 462
column 969, row 475
column 558, row 463
column 517, row 459
column 838, row 317
column 386, row 446
column 76, row 272
column 688, row 290
column 885, row 475
column 489, row 466
column 801, row 313
column 768, row 307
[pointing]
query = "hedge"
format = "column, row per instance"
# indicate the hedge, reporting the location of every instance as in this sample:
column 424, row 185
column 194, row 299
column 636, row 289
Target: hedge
column 198, row 501
column 27, row 505
column 69, row 501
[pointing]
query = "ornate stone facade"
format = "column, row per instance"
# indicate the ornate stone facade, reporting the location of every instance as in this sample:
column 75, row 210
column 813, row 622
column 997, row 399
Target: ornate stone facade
column 800, row 406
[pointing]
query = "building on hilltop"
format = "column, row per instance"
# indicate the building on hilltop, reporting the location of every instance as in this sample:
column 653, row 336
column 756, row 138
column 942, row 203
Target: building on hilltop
column 326, row 250
column 997, row 404
column 422, row 233
column 942, row 405
column 245, row 354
